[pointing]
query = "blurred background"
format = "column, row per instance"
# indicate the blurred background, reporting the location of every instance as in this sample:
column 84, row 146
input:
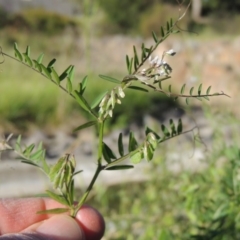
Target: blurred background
column 95, row 36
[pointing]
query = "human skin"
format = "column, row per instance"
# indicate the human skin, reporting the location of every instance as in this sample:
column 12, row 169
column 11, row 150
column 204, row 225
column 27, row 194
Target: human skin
column 18, row 221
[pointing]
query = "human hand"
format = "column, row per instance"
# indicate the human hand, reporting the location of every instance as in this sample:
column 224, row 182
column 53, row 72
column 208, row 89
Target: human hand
column 19, row 221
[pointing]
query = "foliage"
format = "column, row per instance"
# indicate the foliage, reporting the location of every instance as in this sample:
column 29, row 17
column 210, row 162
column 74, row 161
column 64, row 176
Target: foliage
column 145, row 73
column 125, row 14
column 41, row 20
column 4, row 17
column 225, row 6
column 158, row 14
column 198, row 204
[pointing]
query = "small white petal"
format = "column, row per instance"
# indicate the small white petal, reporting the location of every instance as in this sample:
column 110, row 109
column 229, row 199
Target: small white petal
column 171, row 52
column 121, row 92
column 110, row 113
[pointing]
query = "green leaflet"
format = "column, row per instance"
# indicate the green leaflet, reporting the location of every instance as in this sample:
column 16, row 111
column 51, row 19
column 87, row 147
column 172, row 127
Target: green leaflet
column 153, row 141
column 69, row 85
column 165, row 131
column 162, row 32
column 179, row 127
column 55, row 76
column 55, row 169
column 28, row 60
column 71, row 73
column 85, row 125
column 149, row 130
column 120, row 167
column 28, row 150
column 46, row 71
column 54, row 211
column 57, row 197
column 136, row 157
column 191, row 90
column 30, row 163
column 66, row 73
column 208, row 90
column 51, row 63
column 144, row 52
column 120, row 145
column 138, row 88
column 28, row 51
column 148, row 151
column 199, row 89
column 77, row 172
column 83, row 85
column 45, row 166
column 110, row 79
column 37, row 66
column 98, row 99
column 18, row 144
column 155, row 38
column 108, row 154
column 17, row 52
column 127, row 61
column 132, row 145
column 173, row 128
column 81, row 101
column 136, row 59
column 40, row 58
column 183, row 88
column 37, row 155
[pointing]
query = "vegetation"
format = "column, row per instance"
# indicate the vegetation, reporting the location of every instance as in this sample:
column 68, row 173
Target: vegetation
column 35, row 20
column 184, row 205
column 152, row 76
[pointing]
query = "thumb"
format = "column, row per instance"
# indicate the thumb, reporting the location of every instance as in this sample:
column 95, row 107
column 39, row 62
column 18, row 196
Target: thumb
column 58, row 227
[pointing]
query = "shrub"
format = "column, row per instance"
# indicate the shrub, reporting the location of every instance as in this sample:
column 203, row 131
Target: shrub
column 43, row 21
column 123, row 14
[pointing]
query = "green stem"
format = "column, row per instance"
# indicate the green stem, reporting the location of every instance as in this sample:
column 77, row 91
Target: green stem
column 84, row 197
column 100, row 141
column 98, row 170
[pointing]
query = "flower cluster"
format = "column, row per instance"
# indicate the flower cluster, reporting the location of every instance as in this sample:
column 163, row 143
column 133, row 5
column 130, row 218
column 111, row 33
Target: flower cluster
column 158, row 68
column 108, row 102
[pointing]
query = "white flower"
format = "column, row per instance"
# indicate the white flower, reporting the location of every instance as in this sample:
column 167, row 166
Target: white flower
column 120, row 92
column 143, row 72
column 110, row 112
column 170, row 52
column 104, row 101
column 154, row 61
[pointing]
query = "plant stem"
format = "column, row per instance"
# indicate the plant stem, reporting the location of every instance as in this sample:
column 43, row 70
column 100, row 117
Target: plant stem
column 84, row 197
column 98, row 170
column 100, row 141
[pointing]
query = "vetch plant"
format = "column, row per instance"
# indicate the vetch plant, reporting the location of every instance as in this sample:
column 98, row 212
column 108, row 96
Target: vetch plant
column 144, row 68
